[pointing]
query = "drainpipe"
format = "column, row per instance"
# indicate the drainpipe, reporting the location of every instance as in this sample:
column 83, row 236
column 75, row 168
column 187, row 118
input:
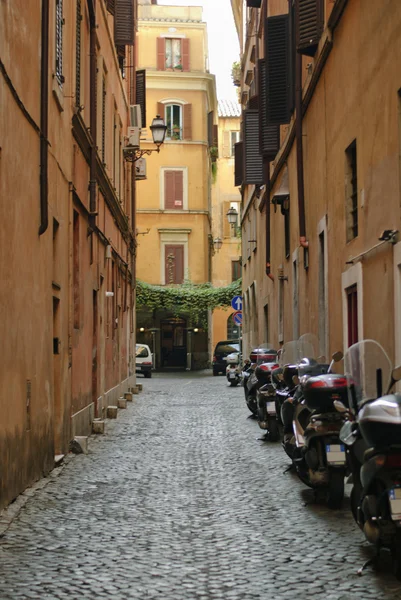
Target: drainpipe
column 44, row 118
column 133, row 225
column 266, row 177
column 93, row 115
column 300, row 159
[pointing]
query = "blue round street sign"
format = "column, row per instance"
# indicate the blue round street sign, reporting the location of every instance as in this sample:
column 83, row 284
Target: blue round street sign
column 236, row 303
column 237, row 316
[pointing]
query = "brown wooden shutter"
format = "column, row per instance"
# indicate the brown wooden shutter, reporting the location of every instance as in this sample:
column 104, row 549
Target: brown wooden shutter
column 173, row 190
column 269, row 135
column 185, row 54
column 254, row 3
column 178, row 190
column 169, row 182
column 216, row 136
column 187, row 129
column 124, row 23
column 161, row 110
column 210, row 128
column 253, row 160
column 310, row 25
column 161, row 54
column 111, row 6
column 174, row 263
column 140, row 93
column 239, row 163
column 226, row 144
column 277, row 69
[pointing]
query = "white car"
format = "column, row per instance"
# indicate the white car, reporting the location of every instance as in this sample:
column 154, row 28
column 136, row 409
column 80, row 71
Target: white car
column 143, row 360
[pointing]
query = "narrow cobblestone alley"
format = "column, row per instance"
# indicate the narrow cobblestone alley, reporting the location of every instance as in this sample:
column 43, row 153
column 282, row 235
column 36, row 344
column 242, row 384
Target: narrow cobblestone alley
column 180, row 500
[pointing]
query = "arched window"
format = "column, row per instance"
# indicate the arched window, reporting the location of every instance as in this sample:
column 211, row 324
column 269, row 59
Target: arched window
column 173, row 121
column 233, row 330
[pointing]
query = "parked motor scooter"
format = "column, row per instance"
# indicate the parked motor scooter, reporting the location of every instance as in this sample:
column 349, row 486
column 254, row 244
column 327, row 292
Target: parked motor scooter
column 264, row 353
column 317, row 454
column 233, row 369
column 372, row 438
column 266, row 395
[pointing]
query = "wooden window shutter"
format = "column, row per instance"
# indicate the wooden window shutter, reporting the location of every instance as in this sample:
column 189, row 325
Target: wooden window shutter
column 173, row 190
column 124, row 23
column 161, row 110
column 111, row 6
column 185, row 54
column 226, row 144
column 277, row 68
column 78, row 55
column 210, row 128
column 269, row 135
column 239, row 163
column 174, row 263
column 253, row 160
column 140, row 93
column 161, row 54
column 310, row 25
column 187, row 129
column 216, row 136
column 254, row 3
column 253, row 102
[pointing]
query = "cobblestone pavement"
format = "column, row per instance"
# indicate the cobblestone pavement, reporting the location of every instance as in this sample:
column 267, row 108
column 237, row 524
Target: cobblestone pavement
column 180, row 500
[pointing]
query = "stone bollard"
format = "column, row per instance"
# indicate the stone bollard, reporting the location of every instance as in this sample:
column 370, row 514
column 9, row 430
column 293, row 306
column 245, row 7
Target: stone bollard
column 82, row 441
column 139, row 386
column 128, row 396
column 98, row 426
column 112, row 412
column 122, row 402
column 135, row 390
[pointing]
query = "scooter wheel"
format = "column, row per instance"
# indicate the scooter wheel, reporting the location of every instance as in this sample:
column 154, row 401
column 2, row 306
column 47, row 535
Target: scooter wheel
column 335, row 490
column 396, row 553
column 274, row 432
column 233, row 383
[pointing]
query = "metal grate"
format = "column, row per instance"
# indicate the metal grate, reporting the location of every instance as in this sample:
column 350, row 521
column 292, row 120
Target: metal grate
column 59, row 41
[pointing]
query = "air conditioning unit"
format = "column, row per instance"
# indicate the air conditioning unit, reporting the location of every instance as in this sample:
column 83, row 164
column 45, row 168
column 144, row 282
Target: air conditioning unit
column 135, row 115
column 140, row 169
column 133, row 136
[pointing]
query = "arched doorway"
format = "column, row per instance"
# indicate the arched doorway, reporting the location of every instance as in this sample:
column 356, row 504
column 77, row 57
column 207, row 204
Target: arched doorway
column 173, row 343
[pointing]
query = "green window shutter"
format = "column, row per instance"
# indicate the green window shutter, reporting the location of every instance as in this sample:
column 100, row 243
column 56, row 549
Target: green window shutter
column 269, row 135
column 253, row 160
column 277, row 70
column 140, row 93
column 124, row 23
column 310, row 20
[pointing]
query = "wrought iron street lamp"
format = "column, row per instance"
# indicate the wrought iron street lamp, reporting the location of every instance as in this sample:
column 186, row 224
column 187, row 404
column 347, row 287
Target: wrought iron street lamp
column 232, row 216
column 217, row 243
column 158, row 129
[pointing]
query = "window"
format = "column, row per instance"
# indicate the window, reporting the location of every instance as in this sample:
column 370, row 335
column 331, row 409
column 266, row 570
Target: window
column 173, row 190
column 172, row 54
column 234, row 138
column 235, row 270
column 174, row 263
column 59, row 42
column 75, row 250
column 351, row 191
column 104, row 120
column 78, row 55
column 352, row 312
column 173, row 121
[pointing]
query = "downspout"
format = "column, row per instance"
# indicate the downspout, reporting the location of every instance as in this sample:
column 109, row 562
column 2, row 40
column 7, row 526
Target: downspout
column 300, row 159
column 133, row 225
column 93, row 115
column 44, row 119
column 266, row 177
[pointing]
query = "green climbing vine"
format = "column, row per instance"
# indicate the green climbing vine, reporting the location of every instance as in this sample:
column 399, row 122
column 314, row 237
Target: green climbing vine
column 194, row 299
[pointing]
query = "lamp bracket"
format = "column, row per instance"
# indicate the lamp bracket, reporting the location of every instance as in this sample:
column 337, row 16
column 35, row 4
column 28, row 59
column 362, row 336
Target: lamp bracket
column 134, row 154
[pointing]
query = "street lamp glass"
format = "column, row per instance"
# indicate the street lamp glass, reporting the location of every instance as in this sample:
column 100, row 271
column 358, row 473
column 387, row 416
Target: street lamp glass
column 232, row 215
column 217, row 243
column 158, row 129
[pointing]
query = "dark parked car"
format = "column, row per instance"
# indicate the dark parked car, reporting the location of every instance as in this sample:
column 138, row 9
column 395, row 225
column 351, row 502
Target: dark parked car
column 222, row 350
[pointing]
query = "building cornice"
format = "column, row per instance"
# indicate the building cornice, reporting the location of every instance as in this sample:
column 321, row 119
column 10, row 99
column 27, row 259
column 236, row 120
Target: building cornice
column 191, row 81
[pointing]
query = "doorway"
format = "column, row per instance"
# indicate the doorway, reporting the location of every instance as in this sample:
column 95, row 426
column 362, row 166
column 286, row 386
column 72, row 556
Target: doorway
column 173, row 343
column 57, row 424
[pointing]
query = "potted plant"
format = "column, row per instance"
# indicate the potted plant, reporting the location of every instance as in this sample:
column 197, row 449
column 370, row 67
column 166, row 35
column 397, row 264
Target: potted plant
column 236, row 73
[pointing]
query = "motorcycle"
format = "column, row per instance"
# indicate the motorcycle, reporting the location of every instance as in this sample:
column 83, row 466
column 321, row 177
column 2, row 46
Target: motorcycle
column 372, row 438
column 233, row 370
column 266, row 413
column 259, row 355
column 317, row 455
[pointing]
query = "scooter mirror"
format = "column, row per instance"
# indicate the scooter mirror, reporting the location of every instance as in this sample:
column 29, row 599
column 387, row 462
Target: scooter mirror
column 339, row 406
column 337, row 356
column 396, row 374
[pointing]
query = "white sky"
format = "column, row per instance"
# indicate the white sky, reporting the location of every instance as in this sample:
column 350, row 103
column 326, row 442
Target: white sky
column 223, row 41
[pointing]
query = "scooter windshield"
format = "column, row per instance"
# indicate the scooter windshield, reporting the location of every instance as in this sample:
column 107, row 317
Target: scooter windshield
column 289, row 354
column 368, row 371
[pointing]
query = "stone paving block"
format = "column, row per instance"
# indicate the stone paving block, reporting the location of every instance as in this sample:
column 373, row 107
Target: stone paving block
column 122, row 402
column 139, row 386
column 112, row 412
column 128, row 396
column 98, row 426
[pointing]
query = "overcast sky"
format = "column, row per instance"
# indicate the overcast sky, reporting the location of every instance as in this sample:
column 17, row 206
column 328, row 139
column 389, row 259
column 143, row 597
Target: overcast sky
column 223, row 41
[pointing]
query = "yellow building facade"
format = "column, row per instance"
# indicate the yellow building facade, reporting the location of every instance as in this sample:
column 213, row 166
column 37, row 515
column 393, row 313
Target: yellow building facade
column 174, row 201
column 226, row 265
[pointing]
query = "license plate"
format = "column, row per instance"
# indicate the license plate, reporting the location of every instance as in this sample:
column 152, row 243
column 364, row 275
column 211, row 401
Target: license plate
column 394, row 496
column 335, row 454
column 271, row 408
column 232, row 375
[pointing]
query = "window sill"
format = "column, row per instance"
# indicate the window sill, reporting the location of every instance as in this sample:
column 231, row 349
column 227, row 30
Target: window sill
column 58, row 94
